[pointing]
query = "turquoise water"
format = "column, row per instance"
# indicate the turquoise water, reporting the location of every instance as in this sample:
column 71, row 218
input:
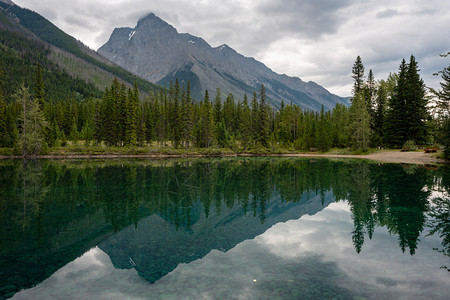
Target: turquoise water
column 256, row 228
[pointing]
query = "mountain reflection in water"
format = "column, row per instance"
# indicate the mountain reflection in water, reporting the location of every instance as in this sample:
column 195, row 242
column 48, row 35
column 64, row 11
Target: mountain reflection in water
column 181, row 211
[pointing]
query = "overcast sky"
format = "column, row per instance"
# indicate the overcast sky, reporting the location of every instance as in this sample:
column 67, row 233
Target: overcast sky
column 315, row 40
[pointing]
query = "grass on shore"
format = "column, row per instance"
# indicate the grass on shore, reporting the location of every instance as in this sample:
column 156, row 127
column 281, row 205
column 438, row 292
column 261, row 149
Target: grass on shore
column 79, row 149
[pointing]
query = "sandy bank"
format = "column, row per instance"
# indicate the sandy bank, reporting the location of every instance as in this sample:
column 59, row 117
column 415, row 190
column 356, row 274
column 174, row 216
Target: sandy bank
column 387, row 156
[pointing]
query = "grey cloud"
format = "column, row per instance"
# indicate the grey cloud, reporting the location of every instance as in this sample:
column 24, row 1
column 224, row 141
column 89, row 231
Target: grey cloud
column 387, row 13
column 308, row 19
column 381, row 31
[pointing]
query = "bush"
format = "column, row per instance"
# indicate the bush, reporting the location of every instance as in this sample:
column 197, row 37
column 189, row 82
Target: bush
column 410, row 144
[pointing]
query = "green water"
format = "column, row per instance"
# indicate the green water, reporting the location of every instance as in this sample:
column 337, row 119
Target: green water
column 256, row 228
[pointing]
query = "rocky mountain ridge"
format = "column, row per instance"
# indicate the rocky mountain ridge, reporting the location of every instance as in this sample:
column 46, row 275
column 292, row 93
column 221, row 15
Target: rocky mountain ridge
column 156, row 51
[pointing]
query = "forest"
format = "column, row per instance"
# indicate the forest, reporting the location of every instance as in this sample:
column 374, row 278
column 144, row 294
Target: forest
column 43, row 109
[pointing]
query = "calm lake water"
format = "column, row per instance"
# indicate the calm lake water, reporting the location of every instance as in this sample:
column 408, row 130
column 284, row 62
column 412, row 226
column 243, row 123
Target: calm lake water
column 256, row 228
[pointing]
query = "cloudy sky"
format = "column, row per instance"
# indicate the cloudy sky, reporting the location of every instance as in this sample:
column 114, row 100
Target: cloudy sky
column 315, row 40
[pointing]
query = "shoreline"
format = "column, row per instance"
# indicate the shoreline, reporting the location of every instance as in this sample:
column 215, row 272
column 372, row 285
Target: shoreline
column 389, row 156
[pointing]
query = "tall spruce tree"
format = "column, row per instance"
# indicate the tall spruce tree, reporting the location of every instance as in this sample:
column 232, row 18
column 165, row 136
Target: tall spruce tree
column 255, row 115
column 188, row 117
column 246, row 124
column 130, row 136
column 379, row 113
column 416, row 113
column 359, row 123
column 396, row 126
column 34, row 124
column 218, row 113
column 207, row 123
column 176, row 122
column 263, row 119
column 358, row 75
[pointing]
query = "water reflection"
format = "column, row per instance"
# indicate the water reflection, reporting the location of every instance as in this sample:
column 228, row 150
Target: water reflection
column 53, row 212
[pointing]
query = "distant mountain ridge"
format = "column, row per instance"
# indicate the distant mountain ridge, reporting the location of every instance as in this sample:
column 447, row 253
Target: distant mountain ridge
column 69, row 54
column 155, row 51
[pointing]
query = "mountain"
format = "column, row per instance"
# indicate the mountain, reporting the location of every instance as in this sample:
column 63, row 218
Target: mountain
column 157, row 249
column 27, row 38
column 155, row 51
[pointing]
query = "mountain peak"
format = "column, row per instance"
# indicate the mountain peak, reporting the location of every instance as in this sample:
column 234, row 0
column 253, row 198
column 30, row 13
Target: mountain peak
column 9, row 2
column 149, row 16
column 154, row 22
column 157, row 52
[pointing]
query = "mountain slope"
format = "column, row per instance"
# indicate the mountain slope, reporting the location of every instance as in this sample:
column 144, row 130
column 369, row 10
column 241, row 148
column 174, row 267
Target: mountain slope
column 157, row 52
column 62, row 50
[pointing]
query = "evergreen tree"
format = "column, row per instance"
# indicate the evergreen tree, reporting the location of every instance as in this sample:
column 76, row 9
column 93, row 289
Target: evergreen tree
column 111, row 116
column 74, row 131
column 339, row 126
column 97, row 120
column 358, row 75
column 416, row 113
column 379, row 113
column 132, row 104
column 255, row 118
column 396, row 124
column 87, row 133
column 263, row 119
column 120, row 97
column 323, row 138
column 369, row 96
column 31, row 140
column 187, row 115
column 246, row 124
column 359, row 123
column 207, row 123
column 12, row 133
column 229, row 113
column 218, row 114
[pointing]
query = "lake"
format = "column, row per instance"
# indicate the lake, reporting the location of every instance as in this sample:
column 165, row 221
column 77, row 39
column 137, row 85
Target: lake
column 230, row 228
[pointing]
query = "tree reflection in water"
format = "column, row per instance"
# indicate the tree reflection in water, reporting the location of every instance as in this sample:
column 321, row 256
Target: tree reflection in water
column 53, row 211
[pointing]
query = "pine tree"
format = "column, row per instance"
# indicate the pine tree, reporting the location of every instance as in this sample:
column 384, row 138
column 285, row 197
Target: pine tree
column 111, row 116
column 130, row 136
column 246, row 124
column 120, row 97
column 255, row 118
column 229, row 113
column 396, row 126
column 87, row 133
column 207, row 125
column 358, row 75
column 187, row 115
column 369, row 94
column 218, row 113
column 263, row 119
column 74, row 131
column 12, row 133
column 359, row 123
column 416, row 112
column 31, row 140
column 176, row 122
column 380, row 113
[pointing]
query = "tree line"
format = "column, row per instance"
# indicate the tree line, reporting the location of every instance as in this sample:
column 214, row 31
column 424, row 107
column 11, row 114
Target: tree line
column 383, row 113
column 397, row 111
